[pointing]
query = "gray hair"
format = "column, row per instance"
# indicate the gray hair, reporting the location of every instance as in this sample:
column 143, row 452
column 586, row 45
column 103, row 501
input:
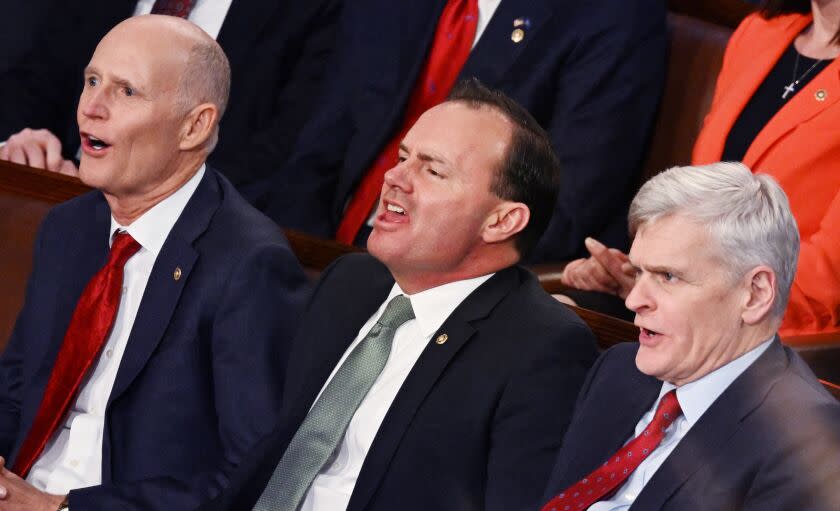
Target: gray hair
column 205, row 79
column 747, row 214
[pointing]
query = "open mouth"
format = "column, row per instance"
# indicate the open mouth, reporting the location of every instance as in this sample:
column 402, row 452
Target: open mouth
column 94, row 143
column 649, row 333
column 395, row 209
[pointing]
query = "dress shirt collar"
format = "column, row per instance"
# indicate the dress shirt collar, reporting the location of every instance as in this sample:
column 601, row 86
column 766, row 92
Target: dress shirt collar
column 152, row 227
column 696, row 397
column 433, row 306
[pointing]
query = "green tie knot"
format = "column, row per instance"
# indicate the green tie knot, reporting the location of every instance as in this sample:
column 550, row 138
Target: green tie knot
column 397, row 312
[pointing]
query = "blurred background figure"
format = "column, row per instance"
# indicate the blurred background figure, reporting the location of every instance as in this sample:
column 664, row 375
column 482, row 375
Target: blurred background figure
column 590, row 72
column 776, row 109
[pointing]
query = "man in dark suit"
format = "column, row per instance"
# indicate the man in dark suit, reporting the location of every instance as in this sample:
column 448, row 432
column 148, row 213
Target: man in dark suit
column 590, row 72
column 130, row 385
column 708, row 411
column 277, row 50
column 475, row 383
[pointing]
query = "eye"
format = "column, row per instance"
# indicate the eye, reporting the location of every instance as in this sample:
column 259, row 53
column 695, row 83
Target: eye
column 433, row 172
column 128, row 91
column 92, row 81
column 668, row 276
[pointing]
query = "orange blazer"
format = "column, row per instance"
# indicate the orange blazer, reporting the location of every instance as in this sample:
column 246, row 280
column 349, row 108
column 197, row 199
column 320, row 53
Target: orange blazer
column 800, row 147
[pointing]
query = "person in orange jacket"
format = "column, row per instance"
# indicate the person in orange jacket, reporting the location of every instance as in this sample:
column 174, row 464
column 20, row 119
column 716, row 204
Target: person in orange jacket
column 776, row 108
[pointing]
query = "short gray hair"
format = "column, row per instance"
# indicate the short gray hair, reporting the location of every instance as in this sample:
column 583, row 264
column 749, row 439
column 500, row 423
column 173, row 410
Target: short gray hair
column 205, row 79
column 747, row 214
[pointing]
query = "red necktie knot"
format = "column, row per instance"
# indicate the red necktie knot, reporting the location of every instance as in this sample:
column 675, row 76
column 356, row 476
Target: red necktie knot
column 179, row 8
column 123, row 247
column 618, row 467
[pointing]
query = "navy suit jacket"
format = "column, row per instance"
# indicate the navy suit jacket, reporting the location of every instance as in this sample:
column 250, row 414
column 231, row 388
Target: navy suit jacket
column 590, row 72
column 200, row 379
column 479, row 419
column 277, row 51
column 770, row 442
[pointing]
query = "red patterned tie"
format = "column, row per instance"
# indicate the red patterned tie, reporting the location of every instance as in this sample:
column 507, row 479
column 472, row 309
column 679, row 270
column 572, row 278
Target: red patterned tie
column 620, row 465
column 451, row 46
column 89, row 328
column 179, row 8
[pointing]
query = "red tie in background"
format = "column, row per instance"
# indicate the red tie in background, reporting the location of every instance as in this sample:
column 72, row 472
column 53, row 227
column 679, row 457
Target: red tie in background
column 620, row 465
column 179, row 8
column 89, row 328
column 451, row 46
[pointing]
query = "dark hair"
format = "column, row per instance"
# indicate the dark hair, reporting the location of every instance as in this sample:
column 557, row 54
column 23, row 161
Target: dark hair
column 530, row 171
column 773, row 8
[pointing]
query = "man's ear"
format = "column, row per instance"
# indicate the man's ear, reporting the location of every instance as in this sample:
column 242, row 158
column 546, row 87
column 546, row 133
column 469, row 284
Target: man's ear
column 505, row 221
column 760, row 293
column 199, row 125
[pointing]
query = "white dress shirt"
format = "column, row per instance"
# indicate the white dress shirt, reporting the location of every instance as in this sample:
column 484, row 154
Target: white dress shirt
column 486, row 9
column 332, row 487
column 694, row 398
column 73, row 456
column 207, row 14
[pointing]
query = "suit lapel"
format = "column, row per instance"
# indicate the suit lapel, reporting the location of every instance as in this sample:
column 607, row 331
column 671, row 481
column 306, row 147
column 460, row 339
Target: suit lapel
column 709, row 437
column 738, row 93
column 422, row 378
column 163, row 290
column 496, row 51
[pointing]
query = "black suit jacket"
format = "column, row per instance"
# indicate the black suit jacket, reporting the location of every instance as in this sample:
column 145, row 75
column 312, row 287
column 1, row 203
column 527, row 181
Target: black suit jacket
column 479, row 418
column 198, row 383
column 590, row 72
column 771, row 441
column 277, row 51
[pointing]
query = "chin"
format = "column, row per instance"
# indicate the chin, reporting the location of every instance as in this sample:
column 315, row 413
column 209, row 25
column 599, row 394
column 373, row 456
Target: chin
column 649, row 362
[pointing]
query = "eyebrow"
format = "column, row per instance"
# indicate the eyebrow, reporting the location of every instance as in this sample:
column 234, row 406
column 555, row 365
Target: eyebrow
column 659, row 269
column 117, row 80
column 425, row 156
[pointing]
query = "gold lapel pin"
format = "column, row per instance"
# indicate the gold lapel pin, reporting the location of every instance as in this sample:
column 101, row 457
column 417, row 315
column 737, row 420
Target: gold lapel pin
column 177, row 273
column 821, row 94
column 517, row 35
column 518, row 22
column 442, row 338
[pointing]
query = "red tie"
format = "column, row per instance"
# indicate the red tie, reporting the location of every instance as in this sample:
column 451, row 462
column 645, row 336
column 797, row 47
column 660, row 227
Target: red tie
column 451, row 46
column 620, row 465
column 179, row 8
column 89, row 327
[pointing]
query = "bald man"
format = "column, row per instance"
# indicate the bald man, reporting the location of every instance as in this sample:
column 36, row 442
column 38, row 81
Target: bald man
column 150, row 349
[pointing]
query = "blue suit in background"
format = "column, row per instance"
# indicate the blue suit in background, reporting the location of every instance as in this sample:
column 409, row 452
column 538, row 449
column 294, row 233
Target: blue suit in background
column 590, row 72
column 201, row 377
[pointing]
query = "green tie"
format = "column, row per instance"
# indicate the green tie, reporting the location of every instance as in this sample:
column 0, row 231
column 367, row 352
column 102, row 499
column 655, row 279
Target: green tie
column 319, row 434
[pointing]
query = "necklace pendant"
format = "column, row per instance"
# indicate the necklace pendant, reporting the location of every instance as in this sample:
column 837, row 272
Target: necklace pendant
column 789, row 88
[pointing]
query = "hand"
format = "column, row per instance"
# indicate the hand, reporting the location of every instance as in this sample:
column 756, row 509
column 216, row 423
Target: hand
column 37, row 148
column 607, row 270
column 18, row 495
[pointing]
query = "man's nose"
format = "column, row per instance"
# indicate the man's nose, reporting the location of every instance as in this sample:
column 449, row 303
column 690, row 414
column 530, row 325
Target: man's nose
column 93, row 104
column 639, row 298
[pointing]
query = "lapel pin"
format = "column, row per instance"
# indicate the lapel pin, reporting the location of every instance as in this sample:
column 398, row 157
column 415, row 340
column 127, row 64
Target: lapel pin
column 442, row 338
column 517, row 35
column 522, row 22
column 177, row 273
column 821, row 94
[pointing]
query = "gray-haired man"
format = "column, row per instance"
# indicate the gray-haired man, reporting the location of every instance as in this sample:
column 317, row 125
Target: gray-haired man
column 708, row 410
